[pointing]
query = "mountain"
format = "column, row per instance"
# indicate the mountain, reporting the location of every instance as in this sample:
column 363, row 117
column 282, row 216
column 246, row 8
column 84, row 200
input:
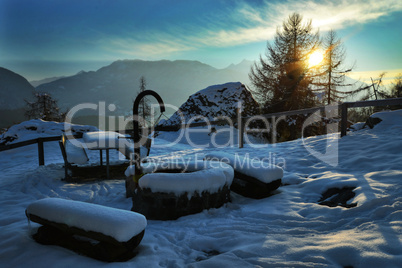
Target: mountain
column 243, row 67
column 213, row 102
column 13, row 90
column 36, row 83
column 118, row 83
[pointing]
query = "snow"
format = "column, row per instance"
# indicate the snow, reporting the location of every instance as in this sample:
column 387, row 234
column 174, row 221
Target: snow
column 288, row 229
column 75, row 154
column 36, row 128
column 103, row 139
column 120, row 224
column 202, row 176
column 253, row 167
column 390, row 118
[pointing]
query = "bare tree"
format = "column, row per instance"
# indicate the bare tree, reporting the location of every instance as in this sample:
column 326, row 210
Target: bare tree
column 377, row 92
column 396, row 87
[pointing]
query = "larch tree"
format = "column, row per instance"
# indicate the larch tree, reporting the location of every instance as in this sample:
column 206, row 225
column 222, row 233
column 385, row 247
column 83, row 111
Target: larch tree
column 330, row 80
column 282, row 80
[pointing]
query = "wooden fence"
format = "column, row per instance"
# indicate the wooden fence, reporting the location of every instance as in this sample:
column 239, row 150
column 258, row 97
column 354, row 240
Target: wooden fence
column 343, row 108
column 239, row 120
column 358, row 104
column 39, row 141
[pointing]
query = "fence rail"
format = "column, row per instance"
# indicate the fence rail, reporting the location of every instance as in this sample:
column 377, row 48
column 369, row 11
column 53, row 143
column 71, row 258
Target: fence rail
column 343, row 107
column 39, row 141
column 359, row 104
column 239, row 120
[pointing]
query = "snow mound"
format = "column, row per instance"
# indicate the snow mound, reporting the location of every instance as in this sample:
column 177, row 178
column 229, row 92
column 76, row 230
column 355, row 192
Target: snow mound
column 393, row 118
column 37, row 128
column 252, row 167
column 117, row 223
column 75, row 154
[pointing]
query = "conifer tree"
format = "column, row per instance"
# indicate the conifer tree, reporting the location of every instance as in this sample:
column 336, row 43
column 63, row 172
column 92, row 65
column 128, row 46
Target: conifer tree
column 43, row 107
column 282, row 80
column 144, row 107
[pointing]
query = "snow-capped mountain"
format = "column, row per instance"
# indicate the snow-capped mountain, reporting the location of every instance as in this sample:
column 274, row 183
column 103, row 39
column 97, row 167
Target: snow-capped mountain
column 118, row 83
column 213, row 102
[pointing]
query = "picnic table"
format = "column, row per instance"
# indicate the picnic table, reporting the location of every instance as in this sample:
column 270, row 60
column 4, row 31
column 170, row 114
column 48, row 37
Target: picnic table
column 104, row 140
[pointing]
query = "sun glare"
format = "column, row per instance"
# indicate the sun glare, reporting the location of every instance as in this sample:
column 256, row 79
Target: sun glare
column 315, row 58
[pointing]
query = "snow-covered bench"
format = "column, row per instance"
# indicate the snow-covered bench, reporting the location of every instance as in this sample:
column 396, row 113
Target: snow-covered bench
column 170, row 190
column 71, row 155
column 100, row 232
column 252, row 177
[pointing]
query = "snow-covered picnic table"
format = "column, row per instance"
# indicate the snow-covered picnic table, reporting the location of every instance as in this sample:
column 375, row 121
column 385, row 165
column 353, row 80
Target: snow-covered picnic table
column 104, row 140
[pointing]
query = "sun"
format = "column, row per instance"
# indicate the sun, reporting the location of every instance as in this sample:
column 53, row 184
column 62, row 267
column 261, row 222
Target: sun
column 315, row 58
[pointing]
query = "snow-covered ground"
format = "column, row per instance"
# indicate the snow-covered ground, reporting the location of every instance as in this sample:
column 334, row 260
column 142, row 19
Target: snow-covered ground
column 288, row 229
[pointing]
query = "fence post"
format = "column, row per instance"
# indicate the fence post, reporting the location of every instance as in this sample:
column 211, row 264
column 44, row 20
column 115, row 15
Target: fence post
column 240, row 127
column 41, row 153
column 344, row 121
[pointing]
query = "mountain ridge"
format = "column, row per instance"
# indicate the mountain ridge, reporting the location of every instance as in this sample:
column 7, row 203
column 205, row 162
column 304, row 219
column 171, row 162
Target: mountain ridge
column 118, row 82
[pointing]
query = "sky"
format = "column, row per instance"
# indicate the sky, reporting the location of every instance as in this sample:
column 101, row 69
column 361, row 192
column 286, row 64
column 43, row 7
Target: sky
column 45, row 38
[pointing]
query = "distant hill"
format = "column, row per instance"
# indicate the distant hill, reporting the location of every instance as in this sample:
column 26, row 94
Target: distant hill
column 118, row 83
column 36, row 83
column 13, row 90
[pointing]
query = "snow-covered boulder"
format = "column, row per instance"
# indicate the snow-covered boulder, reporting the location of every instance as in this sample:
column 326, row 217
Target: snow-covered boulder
column 213, row 102
column 114, row 233
column 252, row 177
column 387, row 118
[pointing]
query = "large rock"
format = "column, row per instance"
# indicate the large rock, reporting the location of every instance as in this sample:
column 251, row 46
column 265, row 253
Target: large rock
column 334, row 197
column 213, row 102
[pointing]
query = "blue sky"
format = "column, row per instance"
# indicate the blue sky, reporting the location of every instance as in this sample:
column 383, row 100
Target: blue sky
column 47, row 38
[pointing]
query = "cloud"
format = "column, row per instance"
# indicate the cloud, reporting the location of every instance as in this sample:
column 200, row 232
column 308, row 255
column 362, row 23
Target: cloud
column 365, row 76
column 248, row 24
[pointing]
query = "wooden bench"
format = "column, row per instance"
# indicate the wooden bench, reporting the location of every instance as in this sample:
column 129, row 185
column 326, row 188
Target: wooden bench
column 252, row 178
column 96, row 231
column 71, row 155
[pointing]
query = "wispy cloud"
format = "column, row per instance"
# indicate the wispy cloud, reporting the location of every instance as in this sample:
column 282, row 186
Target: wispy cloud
column 248, row 24
column 366, row 76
